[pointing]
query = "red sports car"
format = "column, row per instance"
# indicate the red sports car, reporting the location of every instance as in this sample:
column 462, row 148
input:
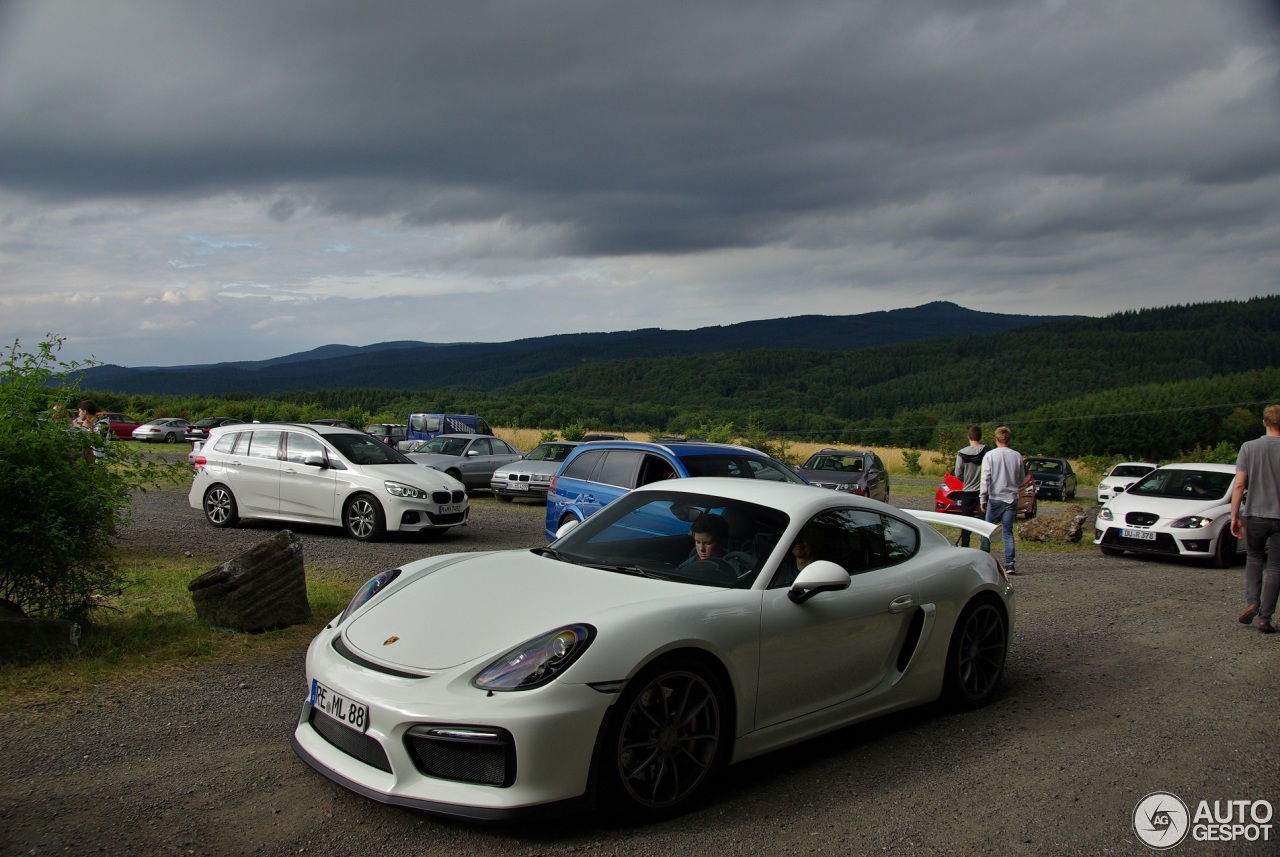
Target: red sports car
column 943, row 502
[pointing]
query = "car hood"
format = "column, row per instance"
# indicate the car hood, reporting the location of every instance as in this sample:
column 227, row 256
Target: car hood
column 481, row 605
column 1168, row 508
column 544, row 467
column 434, row 459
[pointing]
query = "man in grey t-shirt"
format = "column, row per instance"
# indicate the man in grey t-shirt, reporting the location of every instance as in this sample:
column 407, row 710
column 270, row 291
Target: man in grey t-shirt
column 1258, row 470
column 1002, row 474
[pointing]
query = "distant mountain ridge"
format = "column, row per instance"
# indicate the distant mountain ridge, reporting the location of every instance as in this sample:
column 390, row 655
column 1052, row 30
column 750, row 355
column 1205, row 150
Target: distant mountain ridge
column 490, row 365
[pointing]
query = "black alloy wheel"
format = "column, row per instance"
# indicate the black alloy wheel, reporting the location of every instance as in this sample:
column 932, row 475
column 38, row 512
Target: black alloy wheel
column 975, row 660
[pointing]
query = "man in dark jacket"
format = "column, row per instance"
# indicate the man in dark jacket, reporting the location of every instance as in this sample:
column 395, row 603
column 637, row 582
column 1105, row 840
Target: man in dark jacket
column 968, row 469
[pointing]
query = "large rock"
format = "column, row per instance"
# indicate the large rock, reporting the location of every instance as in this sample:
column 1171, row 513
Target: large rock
column 1063, row 526
column 24, row 639
column 263, row 588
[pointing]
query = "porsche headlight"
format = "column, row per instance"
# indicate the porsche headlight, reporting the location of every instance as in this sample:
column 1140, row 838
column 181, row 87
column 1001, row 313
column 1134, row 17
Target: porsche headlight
column 537, row 661
column 399, row 489
column 366, row 593
column 1191, row 522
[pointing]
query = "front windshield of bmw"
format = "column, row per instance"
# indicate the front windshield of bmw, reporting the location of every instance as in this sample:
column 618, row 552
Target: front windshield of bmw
column 741, row 466
column 689, row 538
column 1184, row 484
column 444, row 445
column 362, row 449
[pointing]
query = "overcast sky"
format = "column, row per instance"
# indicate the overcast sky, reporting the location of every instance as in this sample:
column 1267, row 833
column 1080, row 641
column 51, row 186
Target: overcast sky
column 191, row 182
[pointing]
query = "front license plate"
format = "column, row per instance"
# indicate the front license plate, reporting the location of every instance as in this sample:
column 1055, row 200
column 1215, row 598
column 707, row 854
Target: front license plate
column 450, row 509
column 1140, row 535
column 517, row 486
column 346, row 711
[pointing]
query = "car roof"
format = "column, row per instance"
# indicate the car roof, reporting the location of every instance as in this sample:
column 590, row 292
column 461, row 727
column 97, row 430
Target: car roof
column 831, row 450
column 790, row 497
column 674, row 448
column 1211, row 467
column 467, row 436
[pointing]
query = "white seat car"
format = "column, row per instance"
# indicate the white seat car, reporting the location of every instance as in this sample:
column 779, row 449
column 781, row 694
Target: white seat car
column 1120, row 477
column 320, row 474
column 1175, row 510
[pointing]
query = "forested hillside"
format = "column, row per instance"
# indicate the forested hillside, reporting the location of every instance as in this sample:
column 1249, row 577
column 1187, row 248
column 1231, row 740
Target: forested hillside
column 1155, row 383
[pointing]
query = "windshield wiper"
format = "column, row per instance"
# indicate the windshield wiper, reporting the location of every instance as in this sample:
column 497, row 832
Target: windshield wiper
column 634, row 570
column 552, row 553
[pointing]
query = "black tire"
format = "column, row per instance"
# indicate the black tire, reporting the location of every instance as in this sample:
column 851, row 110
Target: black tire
column 220, row 507
column 363, row 518
column 975, row 659
column 1111, row 551
column 1224, row 554
column 666, row 740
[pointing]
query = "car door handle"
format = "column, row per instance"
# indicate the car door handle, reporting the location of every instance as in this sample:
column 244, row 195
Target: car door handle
column 902, row 603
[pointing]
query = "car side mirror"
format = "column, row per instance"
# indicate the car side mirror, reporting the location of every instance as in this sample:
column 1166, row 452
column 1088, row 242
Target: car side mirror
column 567, row 527
column 818, row 576
column 471, row 453
column 314, row 460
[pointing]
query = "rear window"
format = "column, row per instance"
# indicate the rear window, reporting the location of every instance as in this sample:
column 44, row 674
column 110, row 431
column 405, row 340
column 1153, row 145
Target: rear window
column 740, row 466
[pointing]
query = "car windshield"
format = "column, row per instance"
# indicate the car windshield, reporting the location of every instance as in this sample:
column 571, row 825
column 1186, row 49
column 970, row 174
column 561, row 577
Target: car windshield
column 1044, row 465
column 362, row 449
column 742, row 466
column 1130, row 470
column 549, row 452
column 1184, row 484
column 651, row 534
column 444, row 446
column 834, row 461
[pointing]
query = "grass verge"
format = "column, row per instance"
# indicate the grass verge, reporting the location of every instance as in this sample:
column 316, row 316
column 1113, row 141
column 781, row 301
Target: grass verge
column 150, row 631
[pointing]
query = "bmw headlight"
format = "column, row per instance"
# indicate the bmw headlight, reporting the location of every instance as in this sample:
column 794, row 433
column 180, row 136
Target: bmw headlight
column 366, row 593
column 1191, row 522
column 537, row 661
column 399, row 489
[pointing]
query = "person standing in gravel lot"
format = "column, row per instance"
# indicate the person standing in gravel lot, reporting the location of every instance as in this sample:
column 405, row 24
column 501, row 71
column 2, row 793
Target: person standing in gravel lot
column 968, row 470
column 1002, row 473
column 1258, row 470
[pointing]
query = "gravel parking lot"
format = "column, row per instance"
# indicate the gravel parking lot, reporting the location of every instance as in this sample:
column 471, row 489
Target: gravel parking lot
column 1126, row 676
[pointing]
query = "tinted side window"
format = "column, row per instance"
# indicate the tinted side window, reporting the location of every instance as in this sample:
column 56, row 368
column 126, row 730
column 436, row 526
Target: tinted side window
column 265, row 444
column 482, row 427
column 619, row 468
column 581, row 467
column 227, row 442
column 857, row 540
column 501, row 447
column 299, row 446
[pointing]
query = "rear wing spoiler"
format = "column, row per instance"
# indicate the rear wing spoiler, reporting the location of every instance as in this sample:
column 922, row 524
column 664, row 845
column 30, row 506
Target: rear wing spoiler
column 964, row 522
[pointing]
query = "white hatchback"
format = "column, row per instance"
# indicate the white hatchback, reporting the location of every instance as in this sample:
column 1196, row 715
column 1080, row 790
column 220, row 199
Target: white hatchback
column 1175, row 510
column 320, row 474
column 1120, row 477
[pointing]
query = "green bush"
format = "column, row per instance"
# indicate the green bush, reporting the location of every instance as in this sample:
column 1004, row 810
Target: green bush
column 63, row 491
column 911, row 460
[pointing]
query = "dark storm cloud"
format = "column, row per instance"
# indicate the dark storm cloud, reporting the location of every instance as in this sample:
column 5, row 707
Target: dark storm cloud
column 645, row 127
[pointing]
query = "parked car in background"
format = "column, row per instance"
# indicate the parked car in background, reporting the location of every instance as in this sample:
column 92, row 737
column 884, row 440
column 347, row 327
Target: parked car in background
column 597, row 473
column 856, row 471
column 602, row 436
column 1120, row 477
column 389, row 433
column 198, row 431
column 1055, row 480
column 946, row 498
column 1175, row 510
column 427, row 426
column 530, row 476
column 469, row 458
column 162, row 430
column 607, row 671
column 322, row 475
column 329, row 422
column 116, row 425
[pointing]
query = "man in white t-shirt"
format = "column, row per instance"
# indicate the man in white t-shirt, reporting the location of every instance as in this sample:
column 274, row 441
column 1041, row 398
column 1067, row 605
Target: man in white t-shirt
column 1002, row 476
